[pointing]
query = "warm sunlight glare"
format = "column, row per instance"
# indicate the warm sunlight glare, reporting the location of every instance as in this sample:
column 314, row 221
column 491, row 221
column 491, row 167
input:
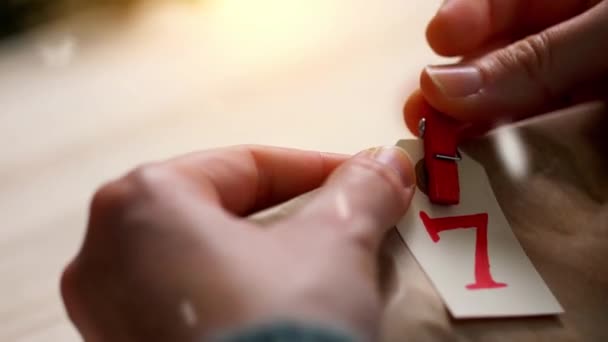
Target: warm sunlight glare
column 267, row 31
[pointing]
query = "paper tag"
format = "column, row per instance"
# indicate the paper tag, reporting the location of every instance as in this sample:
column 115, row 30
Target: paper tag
column 469, row 251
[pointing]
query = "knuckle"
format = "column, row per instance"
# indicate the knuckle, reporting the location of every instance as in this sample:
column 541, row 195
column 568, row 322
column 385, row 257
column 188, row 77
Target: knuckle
column 534, row 54
column 68, row 283
column 148, row 179
column 114, row 200
column 111, row 199
column 69, row 291
column 532, row 57
column 73, row 283
column 120, row 234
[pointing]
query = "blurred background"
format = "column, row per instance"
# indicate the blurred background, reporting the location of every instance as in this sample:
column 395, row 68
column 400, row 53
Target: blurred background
column 89, row 89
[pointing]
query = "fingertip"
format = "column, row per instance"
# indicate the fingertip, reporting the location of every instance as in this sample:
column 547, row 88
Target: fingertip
column 400, row 161
column 430, row 91
column 459, row 27
column 435, row 99
column 397, row 160
column 386, row 171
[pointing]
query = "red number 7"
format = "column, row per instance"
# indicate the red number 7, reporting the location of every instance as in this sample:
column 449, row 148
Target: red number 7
column 483, row 277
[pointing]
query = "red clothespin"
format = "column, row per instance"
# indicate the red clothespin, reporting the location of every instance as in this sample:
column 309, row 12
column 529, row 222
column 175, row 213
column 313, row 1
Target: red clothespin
column 441, row 136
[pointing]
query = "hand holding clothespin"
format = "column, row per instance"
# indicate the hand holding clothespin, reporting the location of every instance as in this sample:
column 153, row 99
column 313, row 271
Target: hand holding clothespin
column 441, row 136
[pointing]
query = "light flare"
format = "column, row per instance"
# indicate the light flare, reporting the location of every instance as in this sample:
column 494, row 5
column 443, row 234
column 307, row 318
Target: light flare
column 58, row 52
column 270, row 30
column 342, row 206
column 188, row 313
column 512, row 152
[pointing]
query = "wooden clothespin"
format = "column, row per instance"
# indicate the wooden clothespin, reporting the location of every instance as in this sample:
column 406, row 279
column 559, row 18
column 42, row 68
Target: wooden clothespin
column 441, row 136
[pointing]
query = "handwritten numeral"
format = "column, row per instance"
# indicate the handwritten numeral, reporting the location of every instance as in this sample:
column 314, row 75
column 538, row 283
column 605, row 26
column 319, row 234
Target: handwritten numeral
column 483, row 277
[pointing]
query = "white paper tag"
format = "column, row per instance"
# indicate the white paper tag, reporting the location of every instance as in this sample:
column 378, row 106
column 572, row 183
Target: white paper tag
column 469, row 251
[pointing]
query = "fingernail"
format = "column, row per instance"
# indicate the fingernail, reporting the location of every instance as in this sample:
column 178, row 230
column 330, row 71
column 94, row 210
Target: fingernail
column 455, row 80
column 398, row 159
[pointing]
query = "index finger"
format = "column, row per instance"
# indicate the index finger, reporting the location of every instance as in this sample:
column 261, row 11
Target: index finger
column 461, row 27
column 245, row 179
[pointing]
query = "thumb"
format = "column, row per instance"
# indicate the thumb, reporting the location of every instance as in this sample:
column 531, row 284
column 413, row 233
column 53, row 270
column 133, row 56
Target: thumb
column 363, row 198
column 526, row 77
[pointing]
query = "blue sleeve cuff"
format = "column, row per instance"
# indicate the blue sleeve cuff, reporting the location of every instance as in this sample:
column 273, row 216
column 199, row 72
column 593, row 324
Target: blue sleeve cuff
column 286, row 332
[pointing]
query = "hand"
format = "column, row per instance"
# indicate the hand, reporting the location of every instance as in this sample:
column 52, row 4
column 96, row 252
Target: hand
column 562, row 59
column 170, row 256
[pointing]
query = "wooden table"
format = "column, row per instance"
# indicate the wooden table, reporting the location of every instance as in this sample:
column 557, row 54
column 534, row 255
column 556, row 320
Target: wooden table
column 85, row 99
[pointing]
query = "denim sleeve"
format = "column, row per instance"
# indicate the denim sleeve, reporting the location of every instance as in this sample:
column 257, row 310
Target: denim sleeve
column 286, row 332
